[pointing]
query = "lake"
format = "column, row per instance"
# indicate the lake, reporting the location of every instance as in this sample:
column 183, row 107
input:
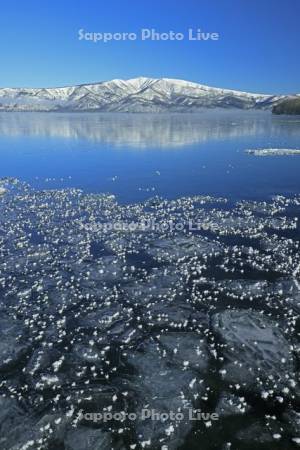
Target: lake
column 197, row 313
column 136, row 156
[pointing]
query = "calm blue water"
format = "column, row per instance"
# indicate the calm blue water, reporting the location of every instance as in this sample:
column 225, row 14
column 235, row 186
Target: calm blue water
column 137, row 156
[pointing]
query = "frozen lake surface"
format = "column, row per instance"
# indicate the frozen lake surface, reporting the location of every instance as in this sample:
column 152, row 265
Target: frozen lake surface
column 148, row 263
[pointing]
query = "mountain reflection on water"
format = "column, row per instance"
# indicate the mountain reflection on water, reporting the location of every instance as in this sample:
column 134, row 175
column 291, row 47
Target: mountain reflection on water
column 144, row 130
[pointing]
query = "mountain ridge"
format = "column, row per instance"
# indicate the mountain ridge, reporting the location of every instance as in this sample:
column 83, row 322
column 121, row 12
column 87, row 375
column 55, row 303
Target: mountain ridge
column 141, row 94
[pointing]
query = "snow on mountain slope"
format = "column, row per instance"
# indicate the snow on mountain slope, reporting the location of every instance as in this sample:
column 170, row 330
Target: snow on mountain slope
column 135, row 95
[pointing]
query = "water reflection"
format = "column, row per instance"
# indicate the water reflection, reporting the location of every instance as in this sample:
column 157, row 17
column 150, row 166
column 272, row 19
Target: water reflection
column 146, row 130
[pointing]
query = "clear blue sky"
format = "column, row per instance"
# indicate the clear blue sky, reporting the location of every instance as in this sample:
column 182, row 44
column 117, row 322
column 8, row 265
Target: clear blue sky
column 258, row 48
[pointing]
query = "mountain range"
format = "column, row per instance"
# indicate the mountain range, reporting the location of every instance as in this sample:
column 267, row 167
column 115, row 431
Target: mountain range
column 135, row 95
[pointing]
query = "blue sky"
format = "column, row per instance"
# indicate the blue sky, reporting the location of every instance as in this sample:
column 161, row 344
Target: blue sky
column 258, row 48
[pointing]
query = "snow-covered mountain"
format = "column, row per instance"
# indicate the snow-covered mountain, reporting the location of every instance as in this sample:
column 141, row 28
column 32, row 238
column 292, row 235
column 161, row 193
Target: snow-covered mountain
column 134, row 95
